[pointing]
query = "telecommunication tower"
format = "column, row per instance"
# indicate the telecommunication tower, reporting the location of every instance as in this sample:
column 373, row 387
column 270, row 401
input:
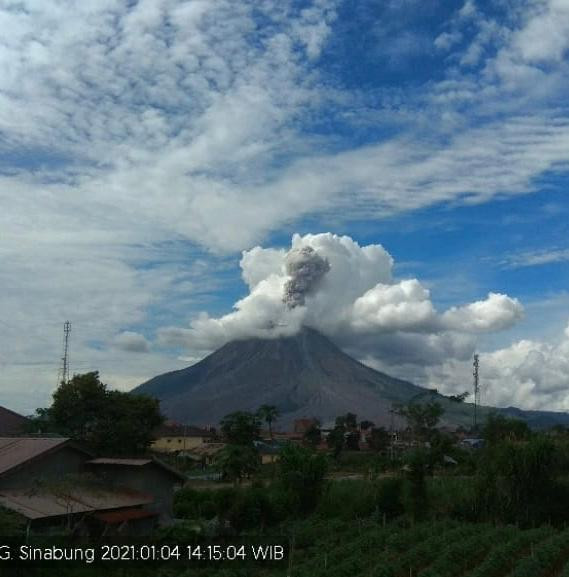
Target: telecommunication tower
column 63, row 376
column 476, row 366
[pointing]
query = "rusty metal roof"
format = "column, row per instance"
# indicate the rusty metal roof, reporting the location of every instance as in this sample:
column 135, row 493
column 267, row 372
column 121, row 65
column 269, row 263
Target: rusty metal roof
column 15, row 451
column 125, row 462
column 11, row 423
column 171, row 429
column 41, row 504
column 138, row 463
column 207, row 449
column 113, row 517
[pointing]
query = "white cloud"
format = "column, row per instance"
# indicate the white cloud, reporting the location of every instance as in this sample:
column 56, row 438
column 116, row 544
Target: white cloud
column 357, row 302
column 131, row 342
column 497, row 312
column 530, row 374
column 545, row 36
column 447, row 40
column 536, row 258
column 135, row 126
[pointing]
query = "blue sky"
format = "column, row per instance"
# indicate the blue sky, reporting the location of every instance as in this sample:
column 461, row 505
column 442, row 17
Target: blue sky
column 144, row 146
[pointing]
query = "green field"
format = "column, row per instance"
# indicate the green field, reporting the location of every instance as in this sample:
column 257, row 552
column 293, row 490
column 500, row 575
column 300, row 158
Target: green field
column 320, row 548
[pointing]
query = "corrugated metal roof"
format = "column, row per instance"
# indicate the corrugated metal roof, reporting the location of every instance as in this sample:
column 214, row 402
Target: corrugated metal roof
column 207, row 449
column 11, row 423
column 138, row 463
column 171, row 429
column 113, row 517
column 39, row 505
column 15, row 451
column 125, row 462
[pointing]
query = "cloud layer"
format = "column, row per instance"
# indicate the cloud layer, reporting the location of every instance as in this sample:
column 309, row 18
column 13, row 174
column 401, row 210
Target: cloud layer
column 139, row 141
column 356, row 300
column 529, row 373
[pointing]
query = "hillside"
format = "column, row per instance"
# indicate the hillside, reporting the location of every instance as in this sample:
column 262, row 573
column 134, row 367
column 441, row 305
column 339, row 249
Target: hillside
column 303, row 375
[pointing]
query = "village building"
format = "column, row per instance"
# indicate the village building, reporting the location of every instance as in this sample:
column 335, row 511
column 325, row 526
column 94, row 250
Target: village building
column 302, row 426
column 147, row 476
column 174, row 438
column 53, row 483
column 12, row 423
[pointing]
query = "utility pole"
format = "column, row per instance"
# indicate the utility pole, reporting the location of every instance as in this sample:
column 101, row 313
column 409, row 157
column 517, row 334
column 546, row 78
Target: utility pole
column 391, row 434
column 64, row 370
column 476, row 365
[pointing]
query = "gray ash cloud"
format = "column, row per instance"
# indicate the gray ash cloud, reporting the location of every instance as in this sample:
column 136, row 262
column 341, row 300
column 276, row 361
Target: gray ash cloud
column 306, row 269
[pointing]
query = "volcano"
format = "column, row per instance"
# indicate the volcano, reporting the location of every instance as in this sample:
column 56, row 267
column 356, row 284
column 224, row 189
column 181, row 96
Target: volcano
column 305, row 375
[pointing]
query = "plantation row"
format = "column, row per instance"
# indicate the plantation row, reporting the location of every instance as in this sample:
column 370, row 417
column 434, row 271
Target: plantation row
column 435, row 549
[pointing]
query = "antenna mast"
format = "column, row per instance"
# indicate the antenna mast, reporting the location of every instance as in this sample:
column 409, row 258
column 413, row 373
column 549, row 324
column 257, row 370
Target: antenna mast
column 476, row 365
column 64, row 371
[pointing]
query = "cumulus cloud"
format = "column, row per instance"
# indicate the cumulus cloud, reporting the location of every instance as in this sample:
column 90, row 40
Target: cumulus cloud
column 497, row 312
column 128, row 127
column 131, row 342
column 348, row 292
column 532, row 374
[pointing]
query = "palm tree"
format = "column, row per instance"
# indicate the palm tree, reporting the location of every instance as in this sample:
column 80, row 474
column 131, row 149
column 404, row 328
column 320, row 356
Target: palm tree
column 268, row 413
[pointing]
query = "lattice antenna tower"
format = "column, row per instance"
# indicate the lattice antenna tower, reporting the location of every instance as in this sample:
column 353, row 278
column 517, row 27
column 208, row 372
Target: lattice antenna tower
column 63, row 376
column 475, row 373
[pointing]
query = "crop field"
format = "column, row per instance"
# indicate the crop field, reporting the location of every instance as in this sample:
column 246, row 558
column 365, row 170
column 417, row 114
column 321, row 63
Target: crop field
column 434, row 549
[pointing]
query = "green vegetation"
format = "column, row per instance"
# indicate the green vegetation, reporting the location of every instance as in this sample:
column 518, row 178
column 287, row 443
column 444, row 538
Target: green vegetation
column 237, row 462
column 107, row 421
column 269, row 414
column 241, row 427
column 429, row 509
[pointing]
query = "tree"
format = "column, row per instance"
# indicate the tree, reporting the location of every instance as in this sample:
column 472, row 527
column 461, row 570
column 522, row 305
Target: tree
column 365, row 425
column 112, row 422
column 78, row 405
column 269, row 414
column 302, row 473
column 422, row 418
column 127, row 424
column 459, row 398
column 499, row 428
column 351, row 421
column 517, row 482
column 337, row 437
column 240, row 428
column 353, row 441
column 313, row 436
column 379, row 439
column 417, row 466
column 238, row 461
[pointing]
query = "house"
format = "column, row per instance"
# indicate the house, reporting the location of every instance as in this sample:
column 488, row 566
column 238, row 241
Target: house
column 472, row 443
column 269, row 450
column 173, row 438
column 146, row 476
column 55, row 483
column 83, row 506
column 12, row 423
column 301, row 426
column 44, row 480
column 205, row 454
column 26, row 461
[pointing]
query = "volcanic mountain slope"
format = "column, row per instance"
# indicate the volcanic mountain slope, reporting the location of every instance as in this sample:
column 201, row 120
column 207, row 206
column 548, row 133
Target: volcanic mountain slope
column 303, row 376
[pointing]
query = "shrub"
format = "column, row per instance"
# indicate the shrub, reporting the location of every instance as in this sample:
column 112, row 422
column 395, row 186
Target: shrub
column 301, row 473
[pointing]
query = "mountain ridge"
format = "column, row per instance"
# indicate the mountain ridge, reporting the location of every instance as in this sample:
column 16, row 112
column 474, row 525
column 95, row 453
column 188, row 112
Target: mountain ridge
column 304, row 375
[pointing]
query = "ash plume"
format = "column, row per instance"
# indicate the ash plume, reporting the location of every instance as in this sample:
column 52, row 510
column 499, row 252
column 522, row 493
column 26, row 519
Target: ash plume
column 306, row 269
